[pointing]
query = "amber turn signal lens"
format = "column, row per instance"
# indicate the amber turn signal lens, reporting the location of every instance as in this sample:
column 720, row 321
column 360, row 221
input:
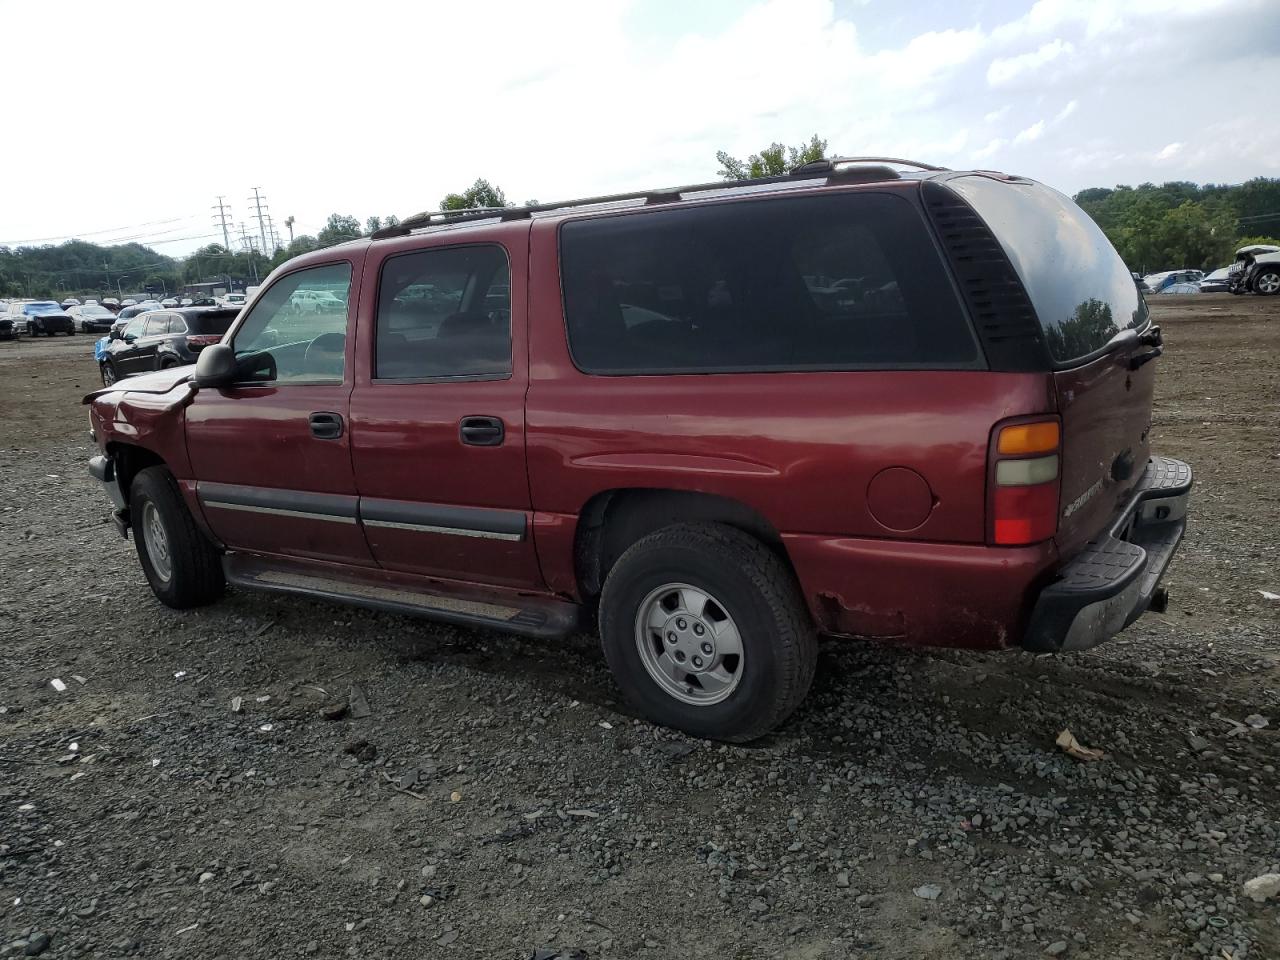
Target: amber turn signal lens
column 1029, row 438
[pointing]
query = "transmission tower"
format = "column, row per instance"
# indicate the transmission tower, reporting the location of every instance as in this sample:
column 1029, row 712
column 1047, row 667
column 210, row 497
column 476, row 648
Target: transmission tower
column 224, row 211
column 262, row 223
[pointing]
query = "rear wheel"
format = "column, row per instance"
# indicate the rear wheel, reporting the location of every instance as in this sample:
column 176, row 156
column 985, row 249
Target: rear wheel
column 705, row 631
column 181, row 565
column 1267, row 283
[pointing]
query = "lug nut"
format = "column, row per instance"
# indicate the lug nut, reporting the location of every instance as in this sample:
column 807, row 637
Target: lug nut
column 671, row 638
column 697, row 661
column 707, row 649
column 698, row 630
column 680, row 624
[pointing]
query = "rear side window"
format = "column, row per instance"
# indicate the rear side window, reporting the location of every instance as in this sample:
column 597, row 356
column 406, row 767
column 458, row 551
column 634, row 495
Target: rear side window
column 214, row 322
column 1082, row 292
column 444, row 313
column 835, row 282
column 157, row 324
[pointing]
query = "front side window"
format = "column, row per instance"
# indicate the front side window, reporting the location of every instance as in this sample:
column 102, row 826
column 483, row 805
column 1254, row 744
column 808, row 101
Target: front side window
column 836, row 282
column 297, row 331
column 137, row 326
column 157, row 324
column 444, row 313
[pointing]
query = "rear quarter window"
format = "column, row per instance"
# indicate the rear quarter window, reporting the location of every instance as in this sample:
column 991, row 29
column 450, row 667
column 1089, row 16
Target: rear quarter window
column 834, row 282
column 1082, row 292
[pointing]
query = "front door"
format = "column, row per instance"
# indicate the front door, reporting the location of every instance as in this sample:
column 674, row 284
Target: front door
column 437, row 415
column 271, row 455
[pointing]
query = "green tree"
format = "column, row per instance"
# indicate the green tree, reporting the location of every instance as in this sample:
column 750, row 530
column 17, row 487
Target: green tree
column 480, row 194
column 774, row 160
column 372, row 225
column 338, row 229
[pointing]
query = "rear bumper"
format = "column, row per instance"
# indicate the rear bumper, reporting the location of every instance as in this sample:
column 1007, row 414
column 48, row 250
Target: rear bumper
column 1113, row 580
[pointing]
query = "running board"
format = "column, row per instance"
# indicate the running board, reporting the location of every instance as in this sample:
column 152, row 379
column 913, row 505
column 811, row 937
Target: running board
column 528, row 615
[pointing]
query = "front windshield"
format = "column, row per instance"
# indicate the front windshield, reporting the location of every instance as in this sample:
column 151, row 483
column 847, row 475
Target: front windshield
column 40, row 309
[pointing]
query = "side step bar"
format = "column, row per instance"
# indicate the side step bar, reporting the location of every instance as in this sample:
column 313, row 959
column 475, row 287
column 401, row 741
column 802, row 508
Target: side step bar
column 525, row 614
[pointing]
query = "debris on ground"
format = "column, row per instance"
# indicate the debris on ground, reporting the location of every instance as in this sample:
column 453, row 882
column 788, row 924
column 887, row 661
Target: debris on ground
column 928, row 891
column 1075, row 749
column 1262, row 888
column 358, row 703
column 362, row 750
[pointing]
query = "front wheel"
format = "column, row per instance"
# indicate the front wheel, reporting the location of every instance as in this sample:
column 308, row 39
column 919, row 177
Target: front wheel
column 181, row 565
column 1267, row 283
column 108, row 374
column 705, row 631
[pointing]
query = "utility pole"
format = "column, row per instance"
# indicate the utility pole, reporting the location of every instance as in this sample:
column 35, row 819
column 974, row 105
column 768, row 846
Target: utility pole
column 288, row 222
column 223, row 211
column 248, row 244
column 262, row 225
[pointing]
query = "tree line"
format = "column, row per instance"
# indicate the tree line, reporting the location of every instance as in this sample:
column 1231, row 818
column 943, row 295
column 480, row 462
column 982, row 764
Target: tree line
column 1154, row 227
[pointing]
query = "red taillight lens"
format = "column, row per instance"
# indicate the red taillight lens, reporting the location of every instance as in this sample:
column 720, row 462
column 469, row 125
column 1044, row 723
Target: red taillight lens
column 1026, row 514
column 1025, row 476
column 199, row 340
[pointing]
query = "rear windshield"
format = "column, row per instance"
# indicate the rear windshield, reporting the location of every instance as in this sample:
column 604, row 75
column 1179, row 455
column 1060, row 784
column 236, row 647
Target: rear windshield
column 835, row 282
column 36, row 309
column 215, row 321
column 1082, row 291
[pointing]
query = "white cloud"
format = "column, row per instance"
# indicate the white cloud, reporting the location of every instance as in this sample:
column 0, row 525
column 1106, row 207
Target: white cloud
column 1030, row 134
column 995, row 116
column 1066, row 111
column 1004, row 70
column 990, row 150
column 1169, row 151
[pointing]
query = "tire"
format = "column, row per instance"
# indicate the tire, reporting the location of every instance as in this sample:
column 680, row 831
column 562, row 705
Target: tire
column 1267, row 282
column 181, row 565
column 753, row 590
column 108, row 374
column 166, row 363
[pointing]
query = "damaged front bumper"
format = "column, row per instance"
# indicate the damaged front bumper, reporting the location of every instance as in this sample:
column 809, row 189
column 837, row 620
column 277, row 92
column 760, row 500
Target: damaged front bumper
column 103, row 469
column 1116, row 578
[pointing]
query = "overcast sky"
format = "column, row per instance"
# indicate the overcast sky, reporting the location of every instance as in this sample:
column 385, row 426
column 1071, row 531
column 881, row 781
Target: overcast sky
column 128, row 119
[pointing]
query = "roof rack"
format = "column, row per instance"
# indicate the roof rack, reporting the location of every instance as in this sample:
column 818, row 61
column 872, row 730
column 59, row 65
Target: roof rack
column 834, row 169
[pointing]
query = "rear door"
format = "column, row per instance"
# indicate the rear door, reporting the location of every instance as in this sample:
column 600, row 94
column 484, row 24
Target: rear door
column 437, row 414
column 1084, row 297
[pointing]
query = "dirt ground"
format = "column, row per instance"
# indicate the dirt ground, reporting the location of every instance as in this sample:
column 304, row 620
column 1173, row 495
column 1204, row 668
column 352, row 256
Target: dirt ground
column 498, row 799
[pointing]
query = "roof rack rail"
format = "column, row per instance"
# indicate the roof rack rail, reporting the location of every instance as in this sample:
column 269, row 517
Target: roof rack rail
column 807, row 171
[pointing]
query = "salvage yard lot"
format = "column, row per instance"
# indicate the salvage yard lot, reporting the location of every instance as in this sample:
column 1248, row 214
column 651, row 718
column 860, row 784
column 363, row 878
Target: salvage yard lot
column 497, row 798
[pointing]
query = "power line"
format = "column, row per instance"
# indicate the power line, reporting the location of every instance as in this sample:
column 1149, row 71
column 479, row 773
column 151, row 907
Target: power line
column 91, row 233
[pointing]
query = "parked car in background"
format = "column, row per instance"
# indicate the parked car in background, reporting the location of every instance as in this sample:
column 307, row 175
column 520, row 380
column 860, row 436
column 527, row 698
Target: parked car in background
column 1186, row 281
column 37, row 317
column 1256, row 269
column 91, row 318
column 128, row 302
column 1216, row 281
column 70, row 302
column 186, row 302
column 160, row 339
column 236, row 300
column 169, row 302
column 643, row 417
column 111, row 303
column 6, row 328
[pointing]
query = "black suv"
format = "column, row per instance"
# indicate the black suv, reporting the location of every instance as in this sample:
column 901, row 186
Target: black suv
column 163, row 338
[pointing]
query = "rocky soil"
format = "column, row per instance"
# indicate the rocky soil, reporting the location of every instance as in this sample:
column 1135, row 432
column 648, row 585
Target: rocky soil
column 275, row 778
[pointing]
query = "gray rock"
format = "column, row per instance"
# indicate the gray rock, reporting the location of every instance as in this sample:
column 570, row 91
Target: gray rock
column 928, row 891
column 37, row 944
column 1057, row 948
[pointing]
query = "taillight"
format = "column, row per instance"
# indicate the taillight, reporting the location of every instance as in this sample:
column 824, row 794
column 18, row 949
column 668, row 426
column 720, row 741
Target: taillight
column 200, row 340
column 1025, row 465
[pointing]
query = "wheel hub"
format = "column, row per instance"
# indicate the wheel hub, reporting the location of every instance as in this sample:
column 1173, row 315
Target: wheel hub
column 157, row 541
column 689, row 644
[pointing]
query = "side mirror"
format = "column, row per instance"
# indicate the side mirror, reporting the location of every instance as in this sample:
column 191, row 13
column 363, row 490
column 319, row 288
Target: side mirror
column 216, row 366
column 113, row 335
column 130, row 337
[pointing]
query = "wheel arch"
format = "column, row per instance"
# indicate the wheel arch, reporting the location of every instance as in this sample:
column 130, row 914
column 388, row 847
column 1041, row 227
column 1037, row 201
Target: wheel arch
column 130, row 460
column 612, row 520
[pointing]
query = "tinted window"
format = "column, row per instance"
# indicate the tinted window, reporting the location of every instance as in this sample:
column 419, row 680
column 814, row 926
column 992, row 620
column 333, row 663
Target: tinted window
column 843, row 281
column 445, row 313
column 1082, row 291
column 157, row 324
column 214, row 321
column 136, row 327
column 297, row 331
column 177, row 324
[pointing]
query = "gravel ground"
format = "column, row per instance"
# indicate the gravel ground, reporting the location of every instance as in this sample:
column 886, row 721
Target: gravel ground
column 204, row 786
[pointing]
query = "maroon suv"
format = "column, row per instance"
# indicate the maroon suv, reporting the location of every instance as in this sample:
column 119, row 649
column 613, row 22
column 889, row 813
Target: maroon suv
column 720, row 420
